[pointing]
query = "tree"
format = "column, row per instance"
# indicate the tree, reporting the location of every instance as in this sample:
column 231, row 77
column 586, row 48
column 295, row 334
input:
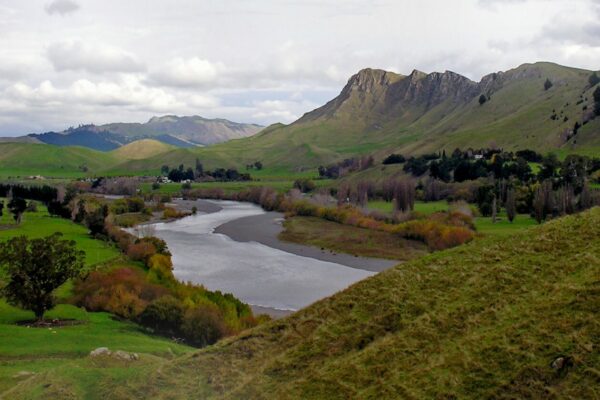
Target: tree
column 1, row 207
column 17, row 207
column 548, row 84
column 36, row 267
column 482, row 99
column 511, row 205
column 199, row 168
column 539, row 202
column 593, row 79
column 394, row 159
column 163, row 315
column 258, row 165
column 494, row 209
column 95, row 220
column 203, row 326
column 585, row 198
column 550, row 165
column 164, row 170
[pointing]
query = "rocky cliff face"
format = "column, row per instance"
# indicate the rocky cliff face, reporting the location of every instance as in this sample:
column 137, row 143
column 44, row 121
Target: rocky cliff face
column 374, row 94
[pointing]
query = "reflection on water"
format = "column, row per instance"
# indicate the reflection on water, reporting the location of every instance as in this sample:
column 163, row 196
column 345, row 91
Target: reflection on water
column 253, row 272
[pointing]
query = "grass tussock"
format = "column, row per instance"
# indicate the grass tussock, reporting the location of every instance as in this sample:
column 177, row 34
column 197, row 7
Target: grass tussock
column 484, row 320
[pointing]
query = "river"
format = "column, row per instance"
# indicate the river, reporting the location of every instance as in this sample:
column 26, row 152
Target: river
column 256, row 274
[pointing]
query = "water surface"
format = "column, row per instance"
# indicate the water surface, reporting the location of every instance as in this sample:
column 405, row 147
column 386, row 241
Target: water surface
column 255, row 273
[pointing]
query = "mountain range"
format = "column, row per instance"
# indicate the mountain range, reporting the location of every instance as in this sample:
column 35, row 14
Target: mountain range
column 170, row 129
column 541, row 106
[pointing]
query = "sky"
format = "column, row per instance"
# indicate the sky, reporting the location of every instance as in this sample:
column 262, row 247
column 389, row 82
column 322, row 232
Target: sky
column 70, row 62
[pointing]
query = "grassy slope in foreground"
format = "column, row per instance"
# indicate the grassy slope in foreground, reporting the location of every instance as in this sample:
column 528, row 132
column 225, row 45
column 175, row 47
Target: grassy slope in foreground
column 63, row 353
column 484, row 320
column 64, row 350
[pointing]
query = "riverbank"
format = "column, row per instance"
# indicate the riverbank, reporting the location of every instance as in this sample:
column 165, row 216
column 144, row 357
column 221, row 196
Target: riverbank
column 265, row 229
column 203, row 206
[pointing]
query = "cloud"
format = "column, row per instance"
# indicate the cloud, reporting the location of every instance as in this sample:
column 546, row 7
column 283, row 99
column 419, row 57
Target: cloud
column 75, row 55
column 192, row 72
column 61, row 7
column 128, row 92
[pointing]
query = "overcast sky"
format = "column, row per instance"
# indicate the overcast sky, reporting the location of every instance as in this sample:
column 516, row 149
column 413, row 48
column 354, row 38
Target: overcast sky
column 67, row 62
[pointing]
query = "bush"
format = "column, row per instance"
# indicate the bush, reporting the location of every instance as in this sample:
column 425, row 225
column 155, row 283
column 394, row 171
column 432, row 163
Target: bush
column 141, row 251
column 304, row 185
column 171, row 213
column 161, row 270
column 394, row 159
column 203, row 326
column 124, row 292
column 164, row 315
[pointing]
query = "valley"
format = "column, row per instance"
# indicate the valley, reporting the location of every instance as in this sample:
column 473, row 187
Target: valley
column 410, row 238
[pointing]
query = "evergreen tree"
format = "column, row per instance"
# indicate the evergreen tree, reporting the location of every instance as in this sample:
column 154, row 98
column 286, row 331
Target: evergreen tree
column 482, row 99
column 548, row 84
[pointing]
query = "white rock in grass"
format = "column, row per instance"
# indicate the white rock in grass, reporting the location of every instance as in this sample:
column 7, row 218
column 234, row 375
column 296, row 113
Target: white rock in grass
column 100, row 351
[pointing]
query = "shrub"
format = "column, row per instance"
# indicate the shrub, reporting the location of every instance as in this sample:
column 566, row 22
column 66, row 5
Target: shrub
column 120, row 237
column 203, row 326
column 124, row 292
column 164, row 315
column 304, row 185
column 141, row 251
column 160, row 269
column 394, row 159
column 171, row 213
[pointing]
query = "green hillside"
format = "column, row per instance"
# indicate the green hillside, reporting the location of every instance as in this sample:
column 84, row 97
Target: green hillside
column 484, row 320
column 23, row 159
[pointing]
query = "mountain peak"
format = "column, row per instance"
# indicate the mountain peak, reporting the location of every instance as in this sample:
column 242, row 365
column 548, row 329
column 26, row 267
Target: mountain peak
column 368, row 79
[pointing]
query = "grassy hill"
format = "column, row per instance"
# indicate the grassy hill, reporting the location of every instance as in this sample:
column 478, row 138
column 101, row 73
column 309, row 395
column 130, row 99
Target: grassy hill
column 484, row 320
column 22, row 159
column 141, row 149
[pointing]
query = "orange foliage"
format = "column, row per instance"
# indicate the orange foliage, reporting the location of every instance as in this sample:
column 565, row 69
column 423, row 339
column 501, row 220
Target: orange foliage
column 124, row 292
column 141, row 251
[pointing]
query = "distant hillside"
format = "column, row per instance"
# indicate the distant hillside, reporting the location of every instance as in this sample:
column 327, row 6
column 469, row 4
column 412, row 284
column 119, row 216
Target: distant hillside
column 141, row 149
column 380, row 112
column 22, row 159
column 488, row 320
column 195, row 129
column 177, row 131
